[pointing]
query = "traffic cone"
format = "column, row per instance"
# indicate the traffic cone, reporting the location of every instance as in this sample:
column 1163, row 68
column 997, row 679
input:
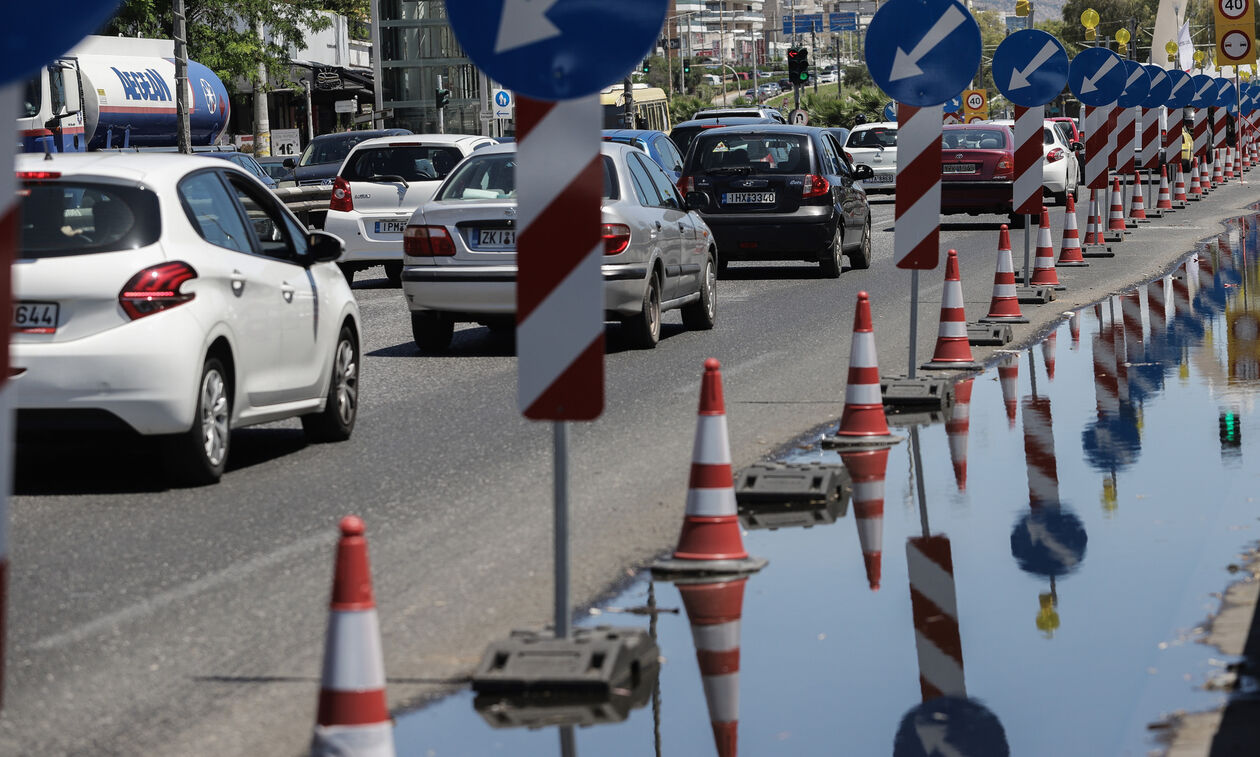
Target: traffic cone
column 1047, row 353
column 956, row 429
column 1093, row 234
column 1164, row 201
column 1070, row 246
column 1004, row 307
column 1008, row 377
column 867, row 469
column 863, row 422
column 1179, row 186
column 1115, row 218
column 1137, row 201
column 953, row 347
column 353, row 718
column 1205, row 176
column 1196, row 186
column 1218, row 176
column 715, row 611
column 1043, row 263
column 710, row 542
column 1229, row 163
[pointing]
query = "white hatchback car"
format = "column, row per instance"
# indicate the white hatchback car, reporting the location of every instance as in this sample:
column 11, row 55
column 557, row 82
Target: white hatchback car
column 875, row 145
column 380, row 184
column 173, row 295
column 1060, row 171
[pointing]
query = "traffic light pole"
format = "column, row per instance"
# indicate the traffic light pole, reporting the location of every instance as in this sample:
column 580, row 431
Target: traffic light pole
column 441, row 111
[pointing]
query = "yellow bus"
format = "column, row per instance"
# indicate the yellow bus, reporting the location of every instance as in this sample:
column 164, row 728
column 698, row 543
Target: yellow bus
column 651, row 108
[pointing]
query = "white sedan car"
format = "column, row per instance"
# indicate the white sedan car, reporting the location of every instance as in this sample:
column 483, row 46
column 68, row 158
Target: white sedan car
column 875, row 145
column 1060, row 171
column 174, row 296
column 380, row 184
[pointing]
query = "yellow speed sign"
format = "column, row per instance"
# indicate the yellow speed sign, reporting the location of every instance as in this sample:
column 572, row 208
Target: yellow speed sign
column 1235, row 32
column 976, row 105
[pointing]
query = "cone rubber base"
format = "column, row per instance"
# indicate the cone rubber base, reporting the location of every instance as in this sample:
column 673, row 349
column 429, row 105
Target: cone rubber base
column 861, row 442
column 1072, row 263
column 672, row 566
column 1097, row 251
column 1004, row 319
column 966, row 365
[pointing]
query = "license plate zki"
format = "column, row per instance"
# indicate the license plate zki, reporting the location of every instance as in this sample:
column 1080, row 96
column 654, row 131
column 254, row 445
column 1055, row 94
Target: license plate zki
column 500, row 238
column 35, row 317
column 748, row 198
column 391, row 226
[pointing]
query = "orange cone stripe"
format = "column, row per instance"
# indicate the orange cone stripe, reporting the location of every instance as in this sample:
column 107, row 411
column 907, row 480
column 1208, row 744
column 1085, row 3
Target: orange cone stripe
column 352, row 707
column 711, row 476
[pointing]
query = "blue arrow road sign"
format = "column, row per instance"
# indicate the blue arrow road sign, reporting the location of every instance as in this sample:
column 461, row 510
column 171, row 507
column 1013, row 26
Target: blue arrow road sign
column 1226, row 95
column 922, row 52
column 1096, row 76
column 844, row 21
column 1204, row 91
column 1137, row 83
column 1049, row 541
column 954, row 104
column 556, row 49
column 1182, row 89
column 890, row 111
column 1161, row 85
column 1030, row 67
column 35, row 38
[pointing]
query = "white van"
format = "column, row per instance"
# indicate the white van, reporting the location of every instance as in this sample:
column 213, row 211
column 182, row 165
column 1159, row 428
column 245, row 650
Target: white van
column 711, row 79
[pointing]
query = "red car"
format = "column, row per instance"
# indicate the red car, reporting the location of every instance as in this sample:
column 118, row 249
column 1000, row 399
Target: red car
column 978, row 170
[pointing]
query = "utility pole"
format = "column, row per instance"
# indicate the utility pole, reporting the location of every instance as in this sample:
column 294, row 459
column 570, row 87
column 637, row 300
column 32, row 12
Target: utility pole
column 310, row 118
column 441, row 111
column 722, row 46
column 627, row 94
column 813, row 45
column 183, row 137
column 262, row 120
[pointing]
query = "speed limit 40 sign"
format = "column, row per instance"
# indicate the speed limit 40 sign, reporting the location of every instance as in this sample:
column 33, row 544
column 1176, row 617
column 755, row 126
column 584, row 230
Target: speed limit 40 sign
column 975, row 105
column 1235, row 32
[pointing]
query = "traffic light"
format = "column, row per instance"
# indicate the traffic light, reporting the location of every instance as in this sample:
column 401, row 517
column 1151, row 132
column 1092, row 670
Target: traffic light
column 1022, row 7
column 647, row 67
column 443, row 97
column 798, row 65
column 687, row 66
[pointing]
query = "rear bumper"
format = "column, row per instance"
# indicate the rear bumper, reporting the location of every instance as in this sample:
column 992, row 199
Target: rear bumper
column 770, row 236
column 487, row 291
column 363, row 246
column 976, row 196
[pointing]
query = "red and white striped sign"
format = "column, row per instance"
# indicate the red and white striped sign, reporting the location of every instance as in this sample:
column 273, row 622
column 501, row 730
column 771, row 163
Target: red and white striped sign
column 1200, row 134
column 1113, row 133
column 559, row 287
column 1126, row 124
column 916, row 232
column 934, row 603
column 1218, row 128
column 1043, row 469
column 1150, row 145
column 1029, row 123
column 1172, row 137
column 1096, row 155
column 8, row 248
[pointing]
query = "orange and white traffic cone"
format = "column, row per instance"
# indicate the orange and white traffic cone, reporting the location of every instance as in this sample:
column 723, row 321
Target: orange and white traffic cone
column 1070, row 246
column 1043, row 263
column 1205, row 176
column 1047, row 353
column 1179, row 186
column 1137, row 200
column 1218, row 176
column 1229, row 163
column 867, row 469
column 715, row 611
column 1115, row 218
column 1093, row 234
column 953, row 347
column 710, row 542
column 1164, row 201
column 353, row 717
column 957, row 428
column 863, row 422
column 1004, row 307
column 1196, row 186
column 1008, row 377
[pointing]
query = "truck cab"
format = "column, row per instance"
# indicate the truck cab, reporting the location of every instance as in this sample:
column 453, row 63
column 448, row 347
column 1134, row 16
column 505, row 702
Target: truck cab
column 50, row 118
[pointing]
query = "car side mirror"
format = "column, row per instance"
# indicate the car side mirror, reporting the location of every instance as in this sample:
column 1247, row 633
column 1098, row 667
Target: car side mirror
column 861, row 172
column 1077, row 147
column 288, row 163
column 324, row 247
column 696, row 200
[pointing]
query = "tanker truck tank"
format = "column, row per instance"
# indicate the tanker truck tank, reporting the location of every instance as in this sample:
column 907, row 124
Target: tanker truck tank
column 130, row 102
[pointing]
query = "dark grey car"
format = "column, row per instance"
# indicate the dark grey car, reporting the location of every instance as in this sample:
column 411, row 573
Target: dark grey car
column 322, row 157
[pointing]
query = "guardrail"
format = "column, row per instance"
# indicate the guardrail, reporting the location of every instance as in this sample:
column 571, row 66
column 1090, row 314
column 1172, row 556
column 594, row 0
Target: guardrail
column 309, row 203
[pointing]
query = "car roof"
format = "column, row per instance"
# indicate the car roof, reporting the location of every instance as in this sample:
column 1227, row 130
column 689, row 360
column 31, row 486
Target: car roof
column 508, row 148
column 956, row 127
column 733, row 109
column 419, row 139
column 774, row 127
column 875, row 125
column 361, row 134
column 728, row 120
column 631, row 133
column 152, row 168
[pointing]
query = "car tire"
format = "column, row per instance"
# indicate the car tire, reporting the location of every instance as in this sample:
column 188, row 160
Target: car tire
column 336, row 421
column 347, row 271
column 198, row 456
column 702, row 314
column 643, row 330
column 432, row 330
column 393, row 272
column 860, row 260
column 832, row 259
column 723, row 267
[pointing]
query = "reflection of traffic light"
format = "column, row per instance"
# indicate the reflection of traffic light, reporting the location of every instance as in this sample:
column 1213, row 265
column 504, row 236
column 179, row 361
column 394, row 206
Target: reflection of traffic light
column 1021, row 8
column 443, row 97
column 647, row 67
column 1231, row 429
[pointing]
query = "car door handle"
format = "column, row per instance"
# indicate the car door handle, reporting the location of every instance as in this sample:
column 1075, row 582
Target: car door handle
column 658, row 225
column 286, row 292
column 238, row 283
column 682, row 228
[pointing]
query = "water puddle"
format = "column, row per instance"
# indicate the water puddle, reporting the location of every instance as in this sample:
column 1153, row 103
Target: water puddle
column 1033, row 587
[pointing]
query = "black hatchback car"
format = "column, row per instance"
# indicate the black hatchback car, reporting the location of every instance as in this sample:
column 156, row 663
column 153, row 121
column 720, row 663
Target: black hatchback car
column 779, row 192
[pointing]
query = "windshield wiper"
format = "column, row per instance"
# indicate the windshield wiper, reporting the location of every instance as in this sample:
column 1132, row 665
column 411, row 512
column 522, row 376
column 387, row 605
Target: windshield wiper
column 388, row 177
column 731, row 170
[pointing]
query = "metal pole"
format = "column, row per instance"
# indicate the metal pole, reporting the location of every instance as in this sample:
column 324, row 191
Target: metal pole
column 813, row 45
column 561, row 486
column 310, row 119
column 1032, row 373
column 914, row 315
column 669, row 59
column 918, row 480
column 183, row 138
column 1027, row 249
column 568, row 745
column 689, row 53
column 627, row 94
column 441, row 111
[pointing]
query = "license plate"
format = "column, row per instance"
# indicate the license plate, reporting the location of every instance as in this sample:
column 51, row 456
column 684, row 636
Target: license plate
column 390, row 227
column 958, row 168
column 748, row 198
column 35, row 317
column 498, row 239
column 880, row 178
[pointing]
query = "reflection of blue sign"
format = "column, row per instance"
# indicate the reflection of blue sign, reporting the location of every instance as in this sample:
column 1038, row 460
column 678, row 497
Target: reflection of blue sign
column 1048, row 541
column 556, row 49
column 1136, row 85
column 43, row 38
column 890, row 111
column 1182, row 90
column 1096, row 76
column 1113, row 442
column 950, row 726
column 1226, row 95
column 1204, row 91
column 922, row 52
column 1161, row 85
column 1030, row 67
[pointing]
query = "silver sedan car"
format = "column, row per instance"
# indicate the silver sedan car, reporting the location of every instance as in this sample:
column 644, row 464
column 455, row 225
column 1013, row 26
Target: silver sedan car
column 459, row 250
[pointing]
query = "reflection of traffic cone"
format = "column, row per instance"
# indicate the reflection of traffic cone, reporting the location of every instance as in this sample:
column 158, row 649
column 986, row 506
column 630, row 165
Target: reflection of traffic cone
column 863, row 420
column 710, row 541
column 1043, row 264
column 1047, row 353
column 1137, row 201
column 867, row 469
column 1070, row 247
column 1115, row 218
column 714, row 611
column 1179, row 187
column 956, row 429
column 1008, row 376
column 1004, row 307
column 353, row 717
column 1164, row 201
column 934, row 605
column 1074, row 328
column 953, row 348
column 1196, row 186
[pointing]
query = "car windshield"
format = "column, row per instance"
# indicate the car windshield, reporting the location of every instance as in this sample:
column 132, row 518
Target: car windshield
column 62, row 218
column 722, row 152
column 493, row 177
column 409, row 162
column 973, row 139
column 332, row 150
column 880, row 137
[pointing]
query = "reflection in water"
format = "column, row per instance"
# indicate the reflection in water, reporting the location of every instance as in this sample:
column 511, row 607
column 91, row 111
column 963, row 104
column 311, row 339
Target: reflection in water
column 956, row 429
column 950, row 726
column 715, row 610
column 867, row 469
column 1008, row 376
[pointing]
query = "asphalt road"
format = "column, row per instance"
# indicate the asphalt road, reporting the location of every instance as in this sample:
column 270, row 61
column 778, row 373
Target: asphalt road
column 144, row 620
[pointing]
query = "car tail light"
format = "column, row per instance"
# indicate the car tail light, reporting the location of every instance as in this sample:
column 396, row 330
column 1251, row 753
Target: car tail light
column 616, row 238
column 815, row 186
column 37, row 175
column 1055, row 154
column 156, row 289
column 848, row 156
column 686, row 184
column 341, row 199
column 428, row 242
column 1005, row 165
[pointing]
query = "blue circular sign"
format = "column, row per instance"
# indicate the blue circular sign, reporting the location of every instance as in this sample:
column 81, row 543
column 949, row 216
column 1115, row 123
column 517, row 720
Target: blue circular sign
column 1204, row 91
column 1182, row 90
column 1136, row 85
column 556, row 49
column 1161, row 85
column 32, row 37
column 502, row 99
column 890, row 111
column 950, row 725
column 1049, row 541
column 954, row 104
column 922, row 52
column 1030, row 67
column 1226, row 95
column 1097, row 76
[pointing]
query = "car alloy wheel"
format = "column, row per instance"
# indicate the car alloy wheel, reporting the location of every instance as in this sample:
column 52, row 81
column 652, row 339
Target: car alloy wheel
column 643, row 330
column 198, row 456
column 213, row 411
column 336, row 422
column 702, row 313
column 832, row 259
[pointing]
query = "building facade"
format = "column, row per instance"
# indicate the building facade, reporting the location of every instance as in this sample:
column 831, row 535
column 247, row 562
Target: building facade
column 417, row 46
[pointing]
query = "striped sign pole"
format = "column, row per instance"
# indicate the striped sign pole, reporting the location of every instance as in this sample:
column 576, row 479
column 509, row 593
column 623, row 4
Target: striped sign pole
column 917, row 227
column 1151, row 118
column 1172, row 138
column 1126, row 123
column 1027, row 199
column 1200, row 134
column 8, row 246
column 1096, row 154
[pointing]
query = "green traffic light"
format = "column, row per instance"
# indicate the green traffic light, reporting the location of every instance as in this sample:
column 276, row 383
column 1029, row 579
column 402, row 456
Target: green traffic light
column 1231, row 429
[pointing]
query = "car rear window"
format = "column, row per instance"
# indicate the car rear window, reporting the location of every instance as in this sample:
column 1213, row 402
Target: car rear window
column 878, row 137
column 763, row 153
column 64, row 218
column 493, row 177
column 974, row 139
column 411, row 162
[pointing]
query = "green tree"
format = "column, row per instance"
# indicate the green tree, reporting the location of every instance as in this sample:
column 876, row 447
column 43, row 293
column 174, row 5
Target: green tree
column 1136, row 15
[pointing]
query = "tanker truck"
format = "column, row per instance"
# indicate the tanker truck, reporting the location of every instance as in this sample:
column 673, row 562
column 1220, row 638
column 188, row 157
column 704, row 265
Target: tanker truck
column 111, row 92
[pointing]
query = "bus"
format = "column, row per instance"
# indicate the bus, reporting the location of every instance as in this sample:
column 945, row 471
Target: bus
column 651, row 108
